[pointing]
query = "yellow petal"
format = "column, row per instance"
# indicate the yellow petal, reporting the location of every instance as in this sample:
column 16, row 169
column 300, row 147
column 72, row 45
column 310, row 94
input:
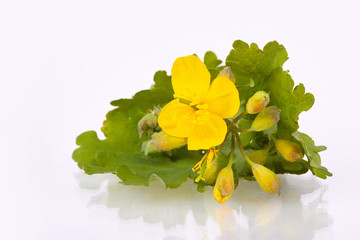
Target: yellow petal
column 222, row 98
column 190, row 78
column 175, row 119
column 208, row 130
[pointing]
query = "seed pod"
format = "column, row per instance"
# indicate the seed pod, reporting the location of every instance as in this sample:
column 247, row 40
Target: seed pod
column 266, row 119
column 211, row 171
column 257, row 102
column 291, row 151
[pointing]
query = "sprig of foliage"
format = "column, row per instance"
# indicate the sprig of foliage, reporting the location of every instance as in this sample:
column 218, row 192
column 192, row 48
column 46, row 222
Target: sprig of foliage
column 122, row 152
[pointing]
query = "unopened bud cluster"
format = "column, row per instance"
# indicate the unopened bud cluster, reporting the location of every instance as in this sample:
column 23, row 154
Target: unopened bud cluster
column 148, row 123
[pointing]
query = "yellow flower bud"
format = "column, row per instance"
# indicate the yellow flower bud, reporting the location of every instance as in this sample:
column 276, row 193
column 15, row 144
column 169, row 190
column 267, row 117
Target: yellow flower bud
column 224, row 185
column 257, row 102
column 259, row 156
column 266, row 119
column 148, row 122
column 166, row 142
column 267, row 179
column 291, row 151
column 226, row 72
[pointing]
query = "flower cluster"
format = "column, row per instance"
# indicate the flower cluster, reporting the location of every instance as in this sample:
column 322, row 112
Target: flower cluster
column 204, row 114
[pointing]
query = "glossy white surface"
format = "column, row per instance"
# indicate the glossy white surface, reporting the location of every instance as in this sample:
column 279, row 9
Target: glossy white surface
column 62, row 62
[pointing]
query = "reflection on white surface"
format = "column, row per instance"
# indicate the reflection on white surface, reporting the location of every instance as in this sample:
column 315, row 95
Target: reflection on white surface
column 250, row 214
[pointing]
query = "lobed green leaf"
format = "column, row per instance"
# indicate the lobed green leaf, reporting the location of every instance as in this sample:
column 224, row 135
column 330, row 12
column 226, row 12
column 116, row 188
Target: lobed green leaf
column 120, row 153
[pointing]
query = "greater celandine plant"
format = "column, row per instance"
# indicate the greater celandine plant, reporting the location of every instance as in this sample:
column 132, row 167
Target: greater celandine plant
column 210, row 122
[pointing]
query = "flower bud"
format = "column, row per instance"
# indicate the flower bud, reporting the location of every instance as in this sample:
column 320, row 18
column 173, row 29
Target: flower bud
column 257, row 102
column 226, row 72
column 148, row 148
column 266, row 119
column 291, row 151
column 267, row 179
column 224, row 185
column 166, row 142
column 259, row 156
column 148, row 123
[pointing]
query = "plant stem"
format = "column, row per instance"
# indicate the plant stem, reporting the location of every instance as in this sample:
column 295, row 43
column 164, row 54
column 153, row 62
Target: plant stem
column 240, row 116
column 241, row 130
column 232, row 150
column 242, row 150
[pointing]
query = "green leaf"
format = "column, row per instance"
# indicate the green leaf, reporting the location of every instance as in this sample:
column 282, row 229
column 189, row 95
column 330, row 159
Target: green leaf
column 211, row 60
column 257, row 70
column 251, row 66
column 120, row 153
column 279, row 165
column 212, row 63
column 312, row 153
column 292, row 101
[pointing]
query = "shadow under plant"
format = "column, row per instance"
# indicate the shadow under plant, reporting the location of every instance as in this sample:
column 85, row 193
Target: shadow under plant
column 250, row 214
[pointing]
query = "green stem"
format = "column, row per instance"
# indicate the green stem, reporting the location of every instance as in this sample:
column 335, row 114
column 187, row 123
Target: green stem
column 269, row 145
column 232, row 151
column 241, row 130
column 240, row 116
column 251, row 163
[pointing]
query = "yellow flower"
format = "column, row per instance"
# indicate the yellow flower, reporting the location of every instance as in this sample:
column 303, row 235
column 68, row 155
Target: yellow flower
column 199, row 108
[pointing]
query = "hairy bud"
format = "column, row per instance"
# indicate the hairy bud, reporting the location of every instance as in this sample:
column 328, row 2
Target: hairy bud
column 266, row 119
column 257, row 102
column 148, row 123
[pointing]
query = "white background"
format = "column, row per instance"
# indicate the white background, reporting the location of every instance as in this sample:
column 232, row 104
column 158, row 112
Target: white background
column 62, row 62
